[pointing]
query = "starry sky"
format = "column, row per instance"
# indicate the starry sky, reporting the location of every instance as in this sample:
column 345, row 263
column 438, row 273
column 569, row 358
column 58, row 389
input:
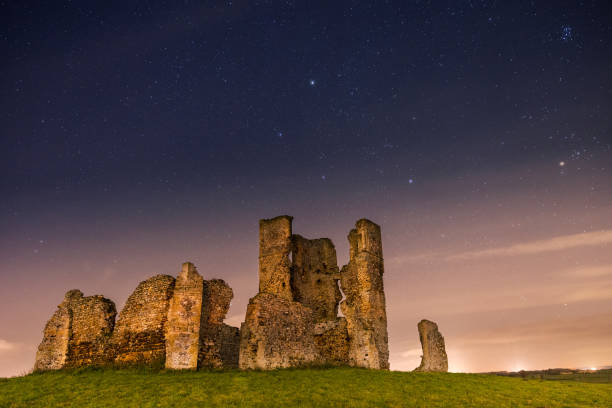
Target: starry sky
column 138, row 135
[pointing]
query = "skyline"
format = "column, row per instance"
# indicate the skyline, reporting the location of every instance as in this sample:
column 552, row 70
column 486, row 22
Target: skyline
column 476, row 134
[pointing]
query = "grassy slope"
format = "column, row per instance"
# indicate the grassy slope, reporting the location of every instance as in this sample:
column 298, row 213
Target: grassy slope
column 334, row 387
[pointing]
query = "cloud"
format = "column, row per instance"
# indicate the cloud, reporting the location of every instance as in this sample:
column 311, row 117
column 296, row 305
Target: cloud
column 415, row 352
column 7, row 345
column 559, row 243
column 536, row 247
column 589, row 271
column 234, row 320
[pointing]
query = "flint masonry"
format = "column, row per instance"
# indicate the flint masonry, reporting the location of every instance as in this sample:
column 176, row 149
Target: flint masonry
column 293, row 320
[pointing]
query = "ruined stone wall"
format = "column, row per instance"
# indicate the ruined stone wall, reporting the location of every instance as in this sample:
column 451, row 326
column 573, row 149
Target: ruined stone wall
column 139, row 335
column 92, row 323
column 219, row 342
column 53, row 349
column 179, row 321
column 184, row 319
column 364, row 306
column 314, row 276
column 277, row 333
column 274, row 252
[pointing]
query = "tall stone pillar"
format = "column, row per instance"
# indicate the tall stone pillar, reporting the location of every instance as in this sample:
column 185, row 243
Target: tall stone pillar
column 184, row 319
column 274, row 256
column 364, row 306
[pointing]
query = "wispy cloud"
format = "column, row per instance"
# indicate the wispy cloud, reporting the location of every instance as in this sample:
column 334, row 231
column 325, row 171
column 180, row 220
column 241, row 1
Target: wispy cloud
column 234, row 320
column 7, row 345
column 589, row 271
column 559, row 243
column 547, row 245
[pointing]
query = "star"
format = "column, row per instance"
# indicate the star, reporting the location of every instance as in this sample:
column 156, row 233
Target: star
column 561, row 163
column 312, row 82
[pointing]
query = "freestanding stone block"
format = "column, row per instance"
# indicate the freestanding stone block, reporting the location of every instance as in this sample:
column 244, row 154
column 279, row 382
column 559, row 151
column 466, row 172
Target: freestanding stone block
column 274, row 252
column 184, row 320
column 364, row 306
column 277, row 333
column 434, row 352
column 139, row 336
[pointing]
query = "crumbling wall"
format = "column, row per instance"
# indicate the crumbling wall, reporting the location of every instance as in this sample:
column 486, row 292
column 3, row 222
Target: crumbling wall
column 434, row 352
column 332, row 341
column 314, row 276
column 364, row 307
column 139, row 335
column 274, row 252
column 53, row 349
column 184, row 319
column 277, row 333
column 219, row 342
column 92, row 323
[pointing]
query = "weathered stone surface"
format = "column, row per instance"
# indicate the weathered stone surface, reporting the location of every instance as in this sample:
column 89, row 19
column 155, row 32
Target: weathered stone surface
column 219, row 346
column 184, row 320
column 434, row 352
column 274, row 251
column 364, row 306
column 53, row 349
column 277, row 333
column 219, row 343
column 139, row 335
column 314, row 276
column 332, row 341
column 78, row 333
column 93, row 320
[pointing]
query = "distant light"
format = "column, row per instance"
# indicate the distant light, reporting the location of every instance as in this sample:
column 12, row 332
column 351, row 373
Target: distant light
column 312, row 82
column 561, row 163
column 593, row 368
column 410, row 181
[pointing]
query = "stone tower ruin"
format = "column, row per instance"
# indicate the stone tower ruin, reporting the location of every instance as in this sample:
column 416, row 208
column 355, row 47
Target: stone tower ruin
column 293, row 320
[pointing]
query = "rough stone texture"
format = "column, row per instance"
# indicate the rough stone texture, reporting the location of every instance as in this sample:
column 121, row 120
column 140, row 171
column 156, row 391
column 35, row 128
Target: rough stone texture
column 364, row 306
column 219, row 343
column 434, row 353
column 184, row 320
column 277, row 333
column 139, row 335
column 314, row 276
column 92, row 323
column 274, row 252
column 332, row 341
column 52, row 351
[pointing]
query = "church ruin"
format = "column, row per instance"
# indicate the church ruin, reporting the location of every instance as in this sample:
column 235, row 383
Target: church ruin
column 293, row 320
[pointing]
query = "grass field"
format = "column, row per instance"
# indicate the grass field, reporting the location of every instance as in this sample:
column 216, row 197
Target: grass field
column 331, row 387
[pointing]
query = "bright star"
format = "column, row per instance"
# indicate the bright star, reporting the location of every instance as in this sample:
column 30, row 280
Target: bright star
column 410, row 181
column 312, row 82
column 561, row 163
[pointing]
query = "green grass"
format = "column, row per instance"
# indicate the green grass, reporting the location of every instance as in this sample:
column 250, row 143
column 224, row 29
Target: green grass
column 330, row 387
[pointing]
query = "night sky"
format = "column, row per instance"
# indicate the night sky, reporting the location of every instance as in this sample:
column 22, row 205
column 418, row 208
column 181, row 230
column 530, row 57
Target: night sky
column 478, row 134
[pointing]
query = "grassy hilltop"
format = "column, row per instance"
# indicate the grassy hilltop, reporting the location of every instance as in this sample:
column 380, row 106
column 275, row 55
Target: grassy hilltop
column 333, row 387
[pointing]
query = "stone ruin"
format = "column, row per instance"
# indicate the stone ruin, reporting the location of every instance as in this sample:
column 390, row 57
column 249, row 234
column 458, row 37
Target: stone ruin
column 293, row 320
column 434, row 357
column 176, row 321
